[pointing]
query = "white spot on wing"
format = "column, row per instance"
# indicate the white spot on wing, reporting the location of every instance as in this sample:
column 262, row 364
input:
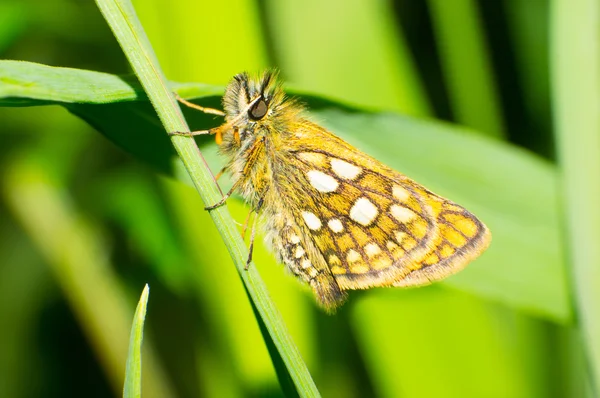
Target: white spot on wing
column 399, row 236
column 353, row 256
column 345, row 169
column 311, row 220
column 335, row 225
column 400, row 193
column 299, row 252
column 313, row 157
column 321, row 181
column 402, row 214
column 295, row 239
column 363, row 211
column 305, row 263
column 372, row 249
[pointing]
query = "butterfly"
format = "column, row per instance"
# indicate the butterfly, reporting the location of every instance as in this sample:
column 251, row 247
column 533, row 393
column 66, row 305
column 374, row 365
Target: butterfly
column 337, row 218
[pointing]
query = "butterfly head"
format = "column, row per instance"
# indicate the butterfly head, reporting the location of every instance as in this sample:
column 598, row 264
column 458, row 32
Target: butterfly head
column 256, row 108
column 252, row 100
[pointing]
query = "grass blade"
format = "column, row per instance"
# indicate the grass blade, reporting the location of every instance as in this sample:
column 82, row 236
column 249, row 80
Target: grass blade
column 128, row 31
column 575, row 60
column 467, row 67
column 133, row 372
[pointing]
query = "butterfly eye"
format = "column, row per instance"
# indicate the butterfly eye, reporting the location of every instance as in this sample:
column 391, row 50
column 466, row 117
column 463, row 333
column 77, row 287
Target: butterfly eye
column 258, row 110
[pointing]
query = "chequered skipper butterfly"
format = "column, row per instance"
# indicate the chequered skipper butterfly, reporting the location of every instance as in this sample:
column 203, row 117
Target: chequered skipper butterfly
column 337, row 218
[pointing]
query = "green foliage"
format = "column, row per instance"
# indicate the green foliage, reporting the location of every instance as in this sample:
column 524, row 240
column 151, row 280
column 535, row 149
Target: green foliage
column 453, row 161
column 90, row 218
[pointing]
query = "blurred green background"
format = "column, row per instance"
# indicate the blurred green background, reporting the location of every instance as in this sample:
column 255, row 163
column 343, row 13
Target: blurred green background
column 84, row 225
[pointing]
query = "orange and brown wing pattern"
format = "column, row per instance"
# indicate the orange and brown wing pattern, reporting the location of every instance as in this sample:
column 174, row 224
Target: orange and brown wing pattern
column 370, row 229
column 462, row 238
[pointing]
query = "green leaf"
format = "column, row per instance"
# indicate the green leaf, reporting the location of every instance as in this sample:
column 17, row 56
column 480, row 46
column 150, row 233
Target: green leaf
column 432, row 342
column 512, row 190
column 22, row 81
column 133, row 372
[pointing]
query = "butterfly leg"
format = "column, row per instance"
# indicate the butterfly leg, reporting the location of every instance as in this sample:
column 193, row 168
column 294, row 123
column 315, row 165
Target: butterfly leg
column 253, row 234
column 217, row 131
column 227, row 195
column 198, row 107
column 245, row 227
column 223, row 200
column 192, row 133
column 220, row 173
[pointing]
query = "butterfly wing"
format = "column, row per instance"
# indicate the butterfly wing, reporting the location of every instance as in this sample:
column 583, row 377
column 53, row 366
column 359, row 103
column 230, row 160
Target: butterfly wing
column 462, row 237
column 371, row 230
column 372, row 225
